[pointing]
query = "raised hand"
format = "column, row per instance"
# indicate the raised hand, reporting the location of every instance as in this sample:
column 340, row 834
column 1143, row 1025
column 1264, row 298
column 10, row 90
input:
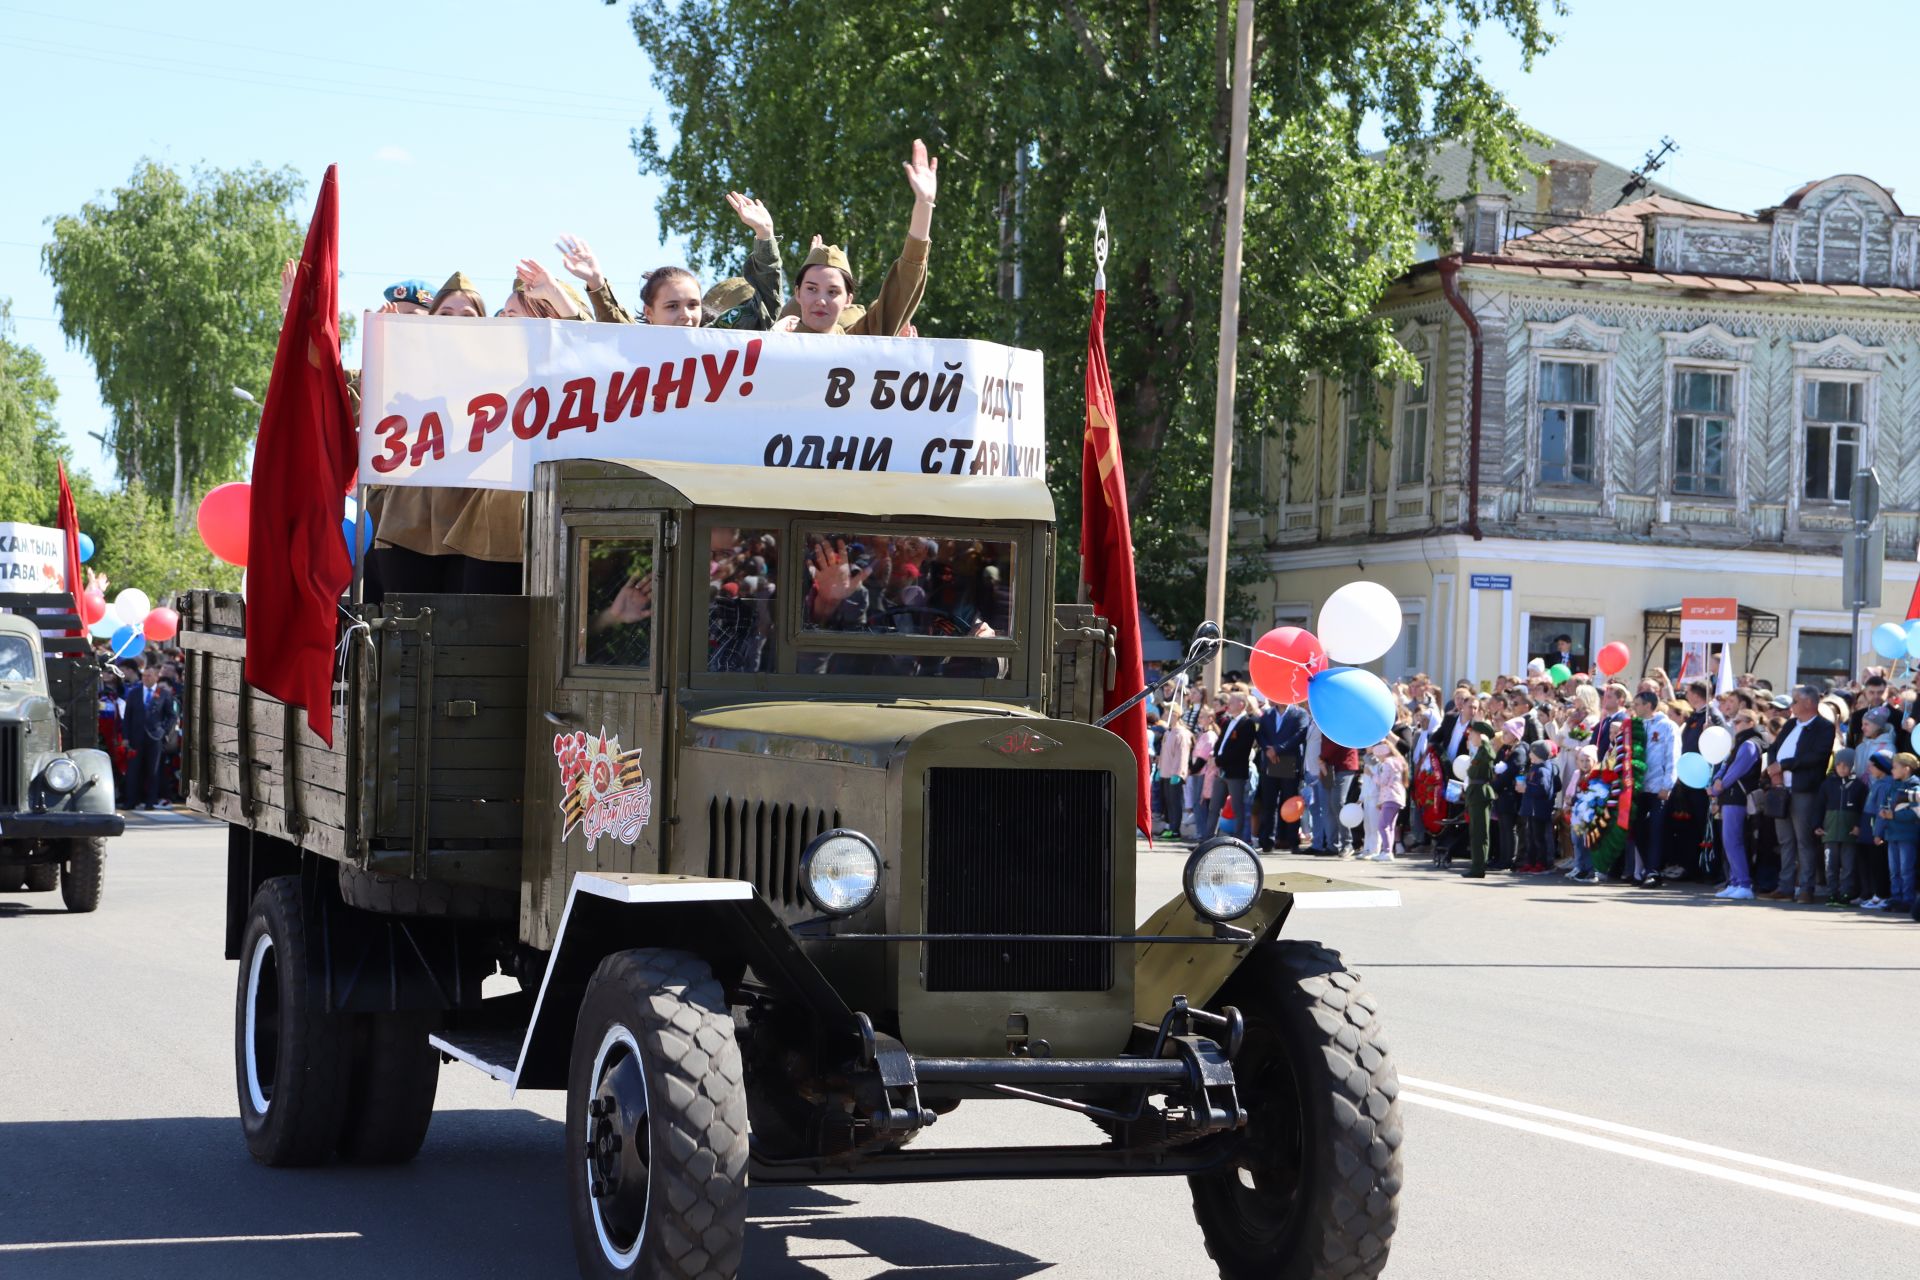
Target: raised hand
column 786, row 324
column 923, row 175
column 576, row 255
column 753, row 213
column 833, row 579
column 540, row 284
column 289, row 272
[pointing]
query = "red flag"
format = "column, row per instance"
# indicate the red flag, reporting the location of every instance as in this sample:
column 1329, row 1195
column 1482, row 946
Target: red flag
column 1913, row 605
column 297, row 562
column 70, row 526
column 1106, row 546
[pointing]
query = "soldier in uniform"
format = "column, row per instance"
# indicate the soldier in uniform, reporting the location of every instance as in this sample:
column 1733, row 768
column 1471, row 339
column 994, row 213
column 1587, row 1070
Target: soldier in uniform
column 1479, row 797
column 671, row 295
column 824, row 292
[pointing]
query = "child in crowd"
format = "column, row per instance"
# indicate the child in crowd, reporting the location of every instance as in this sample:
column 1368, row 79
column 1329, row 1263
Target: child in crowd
column 1176, row 750
column 1388, row 772
column 1875, row 885
column 1537, row 794
column 1903, row 829
column 1843, row 801
column 1511, row 755
column 1587, row 761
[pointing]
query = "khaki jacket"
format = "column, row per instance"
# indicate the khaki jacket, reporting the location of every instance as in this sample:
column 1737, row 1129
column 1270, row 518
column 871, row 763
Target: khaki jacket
column 900, row 295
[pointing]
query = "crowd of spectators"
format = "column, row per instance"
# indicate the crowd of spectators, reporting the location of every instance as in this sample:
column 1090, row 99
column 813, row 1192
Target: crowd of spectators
column 140, row 724
column 1816, row 801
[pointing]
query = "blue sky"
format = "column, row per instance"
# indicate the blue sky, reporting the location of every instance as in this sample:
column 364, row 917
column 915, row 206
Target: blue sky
column 469, row 134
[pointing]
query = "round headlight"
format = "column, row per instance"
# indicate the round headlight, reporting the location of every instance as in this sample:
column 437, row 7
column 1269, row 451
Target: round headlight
column 1223, row 878
column 61, row 774
column 840, row 871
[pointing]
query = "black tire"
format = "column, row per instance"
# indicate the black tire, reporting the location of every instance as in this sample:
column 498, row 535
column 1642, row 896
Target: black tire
column 83, row 875
column 435, row 899
column 12, row 876
column 1315, row 1194
column 42, row 877
column 292, row 1059
column 655, row 1062
column 390, row 1088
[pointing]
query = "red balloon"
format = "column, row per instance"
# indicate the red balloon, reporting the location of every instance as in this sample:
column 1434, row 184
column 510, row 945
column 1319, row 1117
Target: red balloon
column 1291, row 808
column 93, row 607
column 1284, row 660
column 1612, row 658
column 160, row 624
column 223, row 517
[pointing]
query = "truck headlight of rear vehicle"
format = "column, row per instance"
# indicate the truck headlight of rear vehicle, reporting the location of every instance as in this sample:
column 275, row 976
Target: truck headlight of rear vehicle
column 61, row 774
column 840, row 870
column 1223, row 878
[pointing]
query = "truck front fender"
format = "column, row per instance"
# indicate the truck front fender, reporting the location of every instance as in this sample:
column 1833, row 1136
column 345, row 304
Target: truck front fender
column 93, row 795
column 724, row 921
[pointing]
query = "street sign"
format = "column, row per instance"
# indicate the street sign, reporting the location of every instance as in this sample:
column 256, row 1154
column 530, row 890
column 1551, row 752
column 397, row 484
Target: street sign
column 1862, row 567
column 1491, row 581
column 1709, row 620
column 1864, row 502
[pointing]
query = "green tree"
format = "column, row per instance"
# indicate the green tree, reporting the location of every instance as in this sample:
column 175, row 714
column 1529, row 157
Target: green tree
column 30, row 444
column 172, row 290
column 1045, row 113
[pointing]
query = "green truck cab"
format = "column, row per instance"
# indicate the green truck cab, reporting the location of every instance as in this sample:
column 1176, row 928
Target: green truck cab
column 768, row 875
column 56, row 786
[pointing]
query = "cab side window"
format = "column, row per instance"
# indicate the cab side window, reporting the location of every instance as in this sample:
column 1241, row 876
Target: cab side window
column 613, row 612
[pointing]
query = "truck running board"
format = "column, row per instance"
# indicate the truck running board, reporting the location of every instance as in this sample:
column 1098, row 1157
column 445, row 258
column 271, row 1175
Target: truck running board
column 490, row 1038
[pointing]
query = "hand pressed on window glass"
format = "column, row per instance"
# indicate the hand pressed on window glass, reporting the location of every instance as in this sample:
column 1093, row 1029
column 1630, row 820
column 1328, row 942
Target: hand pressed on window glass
column 632, row 603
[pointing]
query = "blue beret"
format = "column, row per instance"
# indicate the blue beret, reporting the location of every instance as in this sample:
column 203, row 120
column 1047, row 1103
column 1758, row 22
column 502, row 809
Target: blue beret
column 418, row 292
column 1882, row 760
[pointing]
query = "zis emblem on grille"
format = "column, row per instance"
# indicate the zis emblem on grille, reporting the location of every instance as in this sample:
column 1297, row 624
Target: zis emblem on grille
column 1019, row 742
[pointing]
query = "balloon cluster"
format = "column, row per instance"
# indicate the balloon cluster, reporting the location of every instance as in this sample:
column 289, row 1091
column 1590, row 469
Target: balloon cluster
column 1358, row 623
column 1893, row 640
column 226, row 510
column 1695, row 768
column 129, row 622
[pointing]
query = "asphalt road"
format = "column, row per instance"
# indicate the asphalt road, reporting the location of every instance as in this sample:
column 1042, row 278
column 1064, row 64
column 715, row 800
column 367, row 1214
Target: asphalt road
column 1598, row 1082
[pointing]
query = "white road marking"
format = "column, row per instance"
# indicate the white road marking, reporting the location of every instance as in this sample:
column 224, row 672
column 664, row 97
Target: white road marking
column 39, row 1246
column 1831, row 1199
column 1667, row 1140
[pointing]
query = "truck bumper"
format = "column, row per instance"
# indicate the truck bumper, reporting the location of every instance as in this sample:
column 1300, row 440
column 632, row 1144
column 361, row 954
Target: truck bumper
column 59, row 826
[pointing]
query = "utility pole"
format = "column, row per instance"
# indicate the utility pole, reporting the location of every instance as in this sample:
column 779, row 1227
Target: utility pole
column 1220, row 520
column 1863, row 563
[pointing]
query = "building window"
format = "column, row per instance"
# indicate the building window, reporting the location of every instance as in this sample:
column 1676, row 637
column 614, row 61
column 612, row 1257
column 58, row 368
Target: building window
column 1357, row 463
column 1822, row 659
column 1569, row 399
column 1702, row 431
column 1411, row 448
column 1836, row 419
column 1545, row 637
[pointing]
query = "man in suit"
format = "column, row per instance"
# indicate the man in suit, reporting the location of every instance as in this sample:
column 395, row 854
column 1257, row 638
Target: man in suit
column 150, row 716
column 1801, row 758
column 1234, row 755
column 1282, row 740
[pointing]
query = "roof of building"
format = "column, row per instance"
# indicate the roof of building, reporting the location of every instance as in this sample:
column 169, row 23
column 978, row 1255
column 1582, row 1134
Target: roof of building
column 1616, row 234
column 1452, row 163
column 1601, row 273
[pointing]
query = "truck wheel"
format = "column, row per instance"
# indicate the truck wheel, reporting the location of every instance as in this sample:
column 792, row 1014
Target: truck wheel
column 292, row 1058
column 1314, row 1192
column 12, row 875
column 82, row 875
column 393, row 1078
column 656, row 1122
column 42, row 877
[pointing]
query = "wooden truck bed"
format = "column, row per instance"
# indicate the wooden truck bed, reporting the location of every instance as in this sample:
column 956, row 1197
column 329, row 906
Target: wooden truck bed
column 433, row 686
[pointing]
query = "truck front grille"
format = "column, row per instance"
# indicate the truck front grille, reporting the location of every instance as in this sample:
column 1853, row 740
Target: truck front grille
column 1019, row 851
column 760, row 842
column 10, row 780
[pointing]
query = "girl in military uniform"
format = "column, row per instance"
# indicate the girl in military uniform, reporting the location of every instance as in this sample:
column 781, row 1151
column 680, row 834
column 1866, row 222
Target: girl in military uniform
column 824, row 292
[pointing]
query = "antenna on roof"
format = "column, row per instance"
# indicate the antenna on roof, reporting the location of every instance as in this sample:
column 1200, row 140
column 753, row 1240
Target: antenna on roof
column 1637, row 181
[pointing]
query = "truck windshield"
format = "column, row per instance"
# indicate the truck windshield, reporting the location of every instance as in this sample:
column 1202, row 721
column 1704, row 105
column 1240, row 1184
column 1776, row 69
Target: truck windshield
column 915, row 586
column 16, row 658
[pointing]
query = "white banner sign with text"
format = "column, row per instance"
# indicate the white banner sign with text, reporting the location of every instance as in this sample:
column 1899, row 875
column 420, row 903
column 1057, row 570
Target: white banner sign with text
column 476, row 403
column 32, row 557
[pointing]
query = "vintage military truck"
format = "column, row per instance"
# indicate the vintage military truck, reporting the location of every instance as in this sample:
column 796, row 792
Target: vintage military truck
column 56, row 786
column 776, row 794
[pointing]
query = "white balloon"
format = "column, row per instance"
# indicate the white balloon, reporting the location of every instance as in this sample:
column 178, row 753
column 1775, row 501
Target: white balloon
column 1460, row 766
column 350, row 509
column 1716, row 744
column 1351, row 815
column 132, row 607
column 1359, row 622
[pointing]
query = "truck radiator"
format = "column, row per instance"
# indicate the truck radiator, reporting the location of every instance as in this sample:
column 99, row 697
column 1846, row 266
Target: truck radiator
column 10, row 763
column 1019, row 851
column 759, row 842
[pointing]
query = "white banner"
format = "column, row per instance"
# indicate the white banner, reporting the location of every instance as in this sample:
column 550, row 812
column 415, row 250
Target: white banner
column 475, row 403
column 32, row 558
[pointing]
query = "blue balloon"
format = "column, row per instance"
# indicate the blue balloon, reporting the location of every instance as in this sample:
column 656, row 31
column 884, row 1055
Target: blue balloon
column 366, row 539
column 127, row 642
column 1890, row 640
column 86, row 548
column 1694, row 770
column 1913, row 638
column 1351, row 706
column 103, row 628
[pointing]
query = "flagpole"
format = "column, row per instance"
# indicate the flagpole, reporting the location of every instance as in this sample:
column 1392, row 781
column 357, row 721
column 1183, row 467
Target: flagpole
column 1218, row 521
